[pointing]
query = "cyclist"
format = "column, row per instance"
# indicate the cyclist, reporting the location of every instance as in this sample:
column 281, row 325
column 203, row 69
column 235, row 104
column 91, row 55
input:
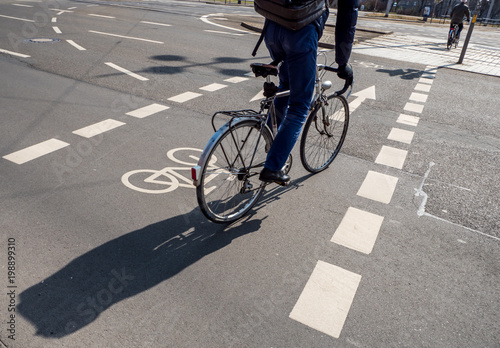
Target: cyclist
column 457, row 16
column 298, row 51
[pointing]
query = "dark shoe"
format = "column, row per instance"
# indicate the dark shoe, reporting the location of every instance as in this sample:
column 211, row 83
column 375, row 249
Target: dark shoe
column 278, row 177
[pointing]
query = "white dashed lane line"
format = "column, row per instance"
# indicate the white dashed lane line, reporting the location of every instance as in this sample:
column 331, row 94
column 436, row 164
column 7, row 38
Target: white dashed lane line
column 16, row 54
column 147, row 110
column 391, row 157
column 101, row 16
column 213, row 87
column 378, row 187
column 125, row 37
column 184, row 97
column 155, row 23
column 57, row 30
column 18, row 19
column 125, row 71
column 35, row 151
column 74, row 44
column 98, row 128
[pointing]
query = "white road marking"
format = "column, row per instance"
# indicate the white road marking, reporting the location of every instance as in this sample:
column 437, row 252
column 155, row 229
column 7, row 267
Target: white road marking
column 419, row 97
column 74, row 44
column 401, row 135
column 367, row 93
column 258, row 96
column 358, row 230
column 14, row 53
column 213, row 87
column 236, row 79
column 425, row 81
column 417, row 108
column 391, row 157
column 125, row 37
column 205, row 19
column 378, row 187
column 326, row 299
column 128, row 72
column 154, row 23
column 54, row 19
column 408, row 120
column 184, row 97
column 22, row 5
column 18, row 19
column 57, row 30
column 35, row 151
column 101, row 16
column 147, row 110
column 98, row 128
column 59, row 11
column 422, row 87
column 223, row 32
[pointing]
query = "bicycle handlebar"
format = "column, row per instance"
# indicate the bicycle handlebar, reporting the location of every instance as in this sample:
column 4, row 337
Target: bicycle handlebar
column 348, row 82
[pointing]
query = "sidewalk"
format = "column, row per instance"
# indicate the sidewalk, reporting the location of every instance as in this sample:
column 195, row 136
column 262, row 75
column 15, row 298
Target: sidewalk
column 407, row 48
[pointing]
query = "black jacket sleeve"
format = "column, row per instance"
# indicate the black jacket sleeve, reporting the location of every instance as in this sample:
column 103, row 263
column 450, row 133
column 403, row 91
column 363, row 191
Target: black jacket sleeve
column 347, row 17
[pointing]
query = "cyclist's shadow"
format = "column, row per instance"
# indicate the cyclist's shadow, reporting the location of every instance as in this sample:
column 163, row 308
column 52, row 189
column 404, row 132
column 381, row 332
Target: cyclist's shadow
column 75, row 296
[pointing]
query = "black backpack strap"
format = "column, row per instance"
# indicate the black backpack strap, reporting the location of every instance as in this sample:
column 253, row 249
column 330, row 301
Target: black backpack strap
column 261, row 37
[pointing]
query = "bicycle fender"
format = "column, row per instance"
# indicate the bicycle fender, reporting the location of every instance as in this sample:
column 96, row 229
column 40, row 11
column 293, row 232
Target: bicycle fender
column 196, row 170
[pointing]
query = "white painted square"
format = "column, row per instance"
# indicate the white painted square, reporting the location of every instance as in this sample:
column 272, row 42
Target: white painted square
column 418, row 97
column 412, row 107
column 378, row 187
column 184, row 97
column 408, row 120
column 326, row 299
column 401, row 135
column 147, row 110
column 236, row 79
column 358, row 230
column 213, row 87
column 392, row 157
column 98, row 128
column 35, row 151
column 423, row 87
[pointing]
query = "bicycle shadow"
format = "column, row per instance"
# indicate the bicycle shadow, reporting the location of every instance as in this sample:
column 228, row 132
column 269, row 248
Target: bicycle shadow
column 76, row 295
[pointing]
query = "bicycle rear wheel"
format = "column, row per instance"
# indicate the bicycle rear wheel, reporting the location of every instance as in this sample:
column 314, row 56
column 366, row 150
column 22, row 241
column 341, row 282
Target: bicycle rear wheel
column 324, row 134
column 229, row 182
column 451, row 38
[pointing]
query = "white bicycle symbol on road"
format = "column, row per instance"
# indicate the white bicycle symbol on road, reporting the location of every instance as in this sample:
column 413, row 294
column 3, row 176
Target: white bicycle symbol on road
column 167, row 179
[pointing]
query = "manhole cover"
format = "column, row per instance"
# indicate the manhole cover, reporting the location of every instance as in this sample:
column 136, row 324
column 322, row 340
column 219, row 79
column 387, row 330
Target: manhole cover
column 42, row 40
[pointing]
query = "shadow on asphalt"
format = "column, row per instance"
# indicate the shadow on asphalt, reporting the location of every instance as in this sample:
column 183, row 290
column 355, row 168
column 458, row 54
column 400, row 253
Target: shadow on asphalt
column 76, row 295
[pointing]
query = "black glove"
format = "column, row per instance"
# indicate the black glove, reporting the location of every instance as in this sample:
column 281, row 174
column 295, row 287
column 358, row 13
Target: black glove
column 345, row 72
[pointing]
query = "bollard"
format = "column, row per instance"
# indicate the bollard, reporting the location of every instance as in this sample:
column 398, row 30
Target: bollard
column 467, row 39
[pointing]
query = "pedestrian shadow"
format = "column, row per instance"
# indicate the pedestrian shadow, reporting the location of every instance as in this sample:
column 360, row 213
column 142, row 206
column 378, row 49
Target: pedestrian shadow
column 76, row 295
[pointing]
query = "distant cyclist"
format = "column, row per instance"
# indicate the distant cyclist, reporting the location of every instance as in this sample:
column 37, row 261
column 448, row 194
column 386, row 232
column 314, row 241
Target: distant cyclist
column 457, row 16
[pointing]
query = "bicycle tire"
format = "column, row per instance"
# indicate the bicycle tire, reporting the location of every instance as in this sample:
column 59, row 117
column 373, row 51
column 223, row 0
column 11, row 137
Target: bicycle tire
column 324, row 133
column 228, row 189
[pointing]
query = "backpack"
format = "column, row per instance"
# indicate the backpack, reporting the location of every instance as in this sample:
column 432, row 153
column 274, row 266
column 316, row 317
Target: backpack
column 291, row 14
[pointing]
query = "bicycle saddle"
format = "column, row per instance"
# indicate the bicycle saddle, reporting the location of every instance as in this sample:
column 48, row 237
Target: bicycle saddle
column 264, row 70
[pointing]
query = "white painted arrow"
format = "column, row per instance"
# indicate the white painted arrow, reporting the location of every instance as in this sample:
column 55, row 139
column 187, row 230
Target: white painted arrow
column 367, row 93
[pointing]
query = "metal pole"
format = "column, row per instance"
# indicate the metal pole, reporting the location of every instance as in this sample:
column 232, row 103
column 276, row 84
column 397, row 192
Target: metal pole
column 466, row 43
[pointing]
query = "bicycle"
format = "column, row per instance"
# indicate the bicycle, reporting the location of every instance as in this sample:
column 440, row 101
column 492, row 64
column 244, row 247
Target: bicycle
column 452, row 37
column 228, row 186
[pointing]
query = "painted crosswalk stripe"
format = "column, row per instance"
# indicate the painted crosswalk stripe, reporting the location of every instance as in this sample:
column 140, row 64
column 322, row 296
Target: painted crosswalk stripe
column 423, row 87
column 378, row 187
column 392, row 157
column 147, row 110
column 412, row 107
column 326, row 299
column 401, row 135
column 358, row 230
column 184, row 97
column 236, row 79
column 213, row 87
column 408, row 120
column 125, row 71
column 98, row 128
column 35, row 151
column 418, row 97
column 74, row 44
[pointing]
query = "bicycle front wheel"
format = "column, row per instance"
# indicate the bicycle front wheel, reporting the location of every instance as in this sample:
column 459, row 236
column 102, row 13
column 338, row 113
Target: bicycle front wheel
column 324, row 133
column 229, row 182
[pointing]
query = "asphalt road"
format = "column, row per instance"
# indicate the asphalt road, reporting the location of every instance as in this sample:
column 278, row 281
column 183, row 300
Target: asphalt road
column 105, row 259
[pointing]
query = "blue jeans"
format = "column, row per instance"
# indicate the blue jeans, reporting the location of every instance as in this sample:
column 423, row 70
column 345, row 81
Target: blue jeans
column 298, row 50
